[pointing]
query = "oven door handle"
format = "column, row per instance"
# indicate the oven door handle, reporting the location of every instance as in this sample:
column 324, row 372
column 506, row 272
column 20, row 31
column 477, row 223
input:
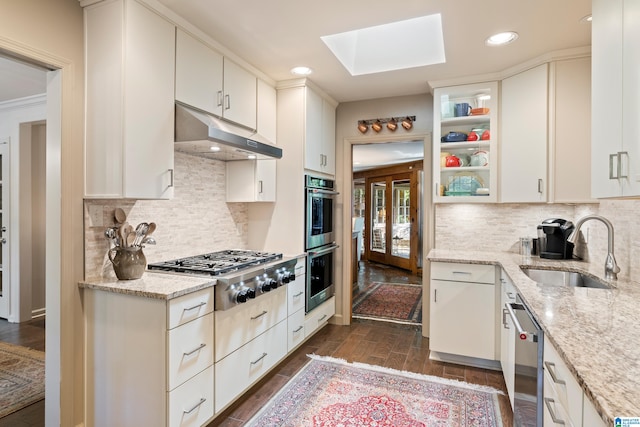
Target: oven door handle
column 524, row 335
column 321, row 191
column 323, row 251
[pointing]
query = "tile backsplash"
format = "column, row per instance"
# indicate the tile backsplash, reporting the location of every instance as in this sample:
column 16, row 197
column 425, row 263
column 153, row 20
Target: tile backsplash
column 497, row 227
column 197, row 219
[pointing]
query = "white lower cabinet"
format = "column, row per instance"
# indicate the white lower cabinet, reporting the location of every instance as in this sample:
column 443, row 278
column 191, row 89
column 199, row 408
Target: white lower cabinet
column 239, row 370
column 149, row 362
column 295, row 306
column 319, row 316
column 507, row 335
column 463, row 318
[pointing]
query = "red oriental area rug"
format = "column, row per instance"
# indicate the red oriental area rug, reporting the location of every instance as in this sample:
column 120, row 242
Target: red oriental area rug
column 391, row 302
column 330, row 392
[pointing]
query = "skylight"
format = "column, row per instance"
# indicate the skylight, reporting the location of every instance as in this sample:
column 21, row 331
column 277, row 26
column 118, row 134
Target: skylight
column 412, row 43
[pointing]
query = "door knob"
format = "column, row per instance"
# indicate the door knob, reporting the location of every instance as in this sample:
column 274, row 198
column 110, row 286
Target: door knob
column 3, row 241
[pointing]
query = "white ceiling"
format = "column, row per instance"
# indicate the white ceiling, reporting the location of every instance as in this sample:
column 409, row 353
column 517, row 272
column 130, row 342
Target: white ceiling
column 368, row 156
column 18, row 80
column 276, row 35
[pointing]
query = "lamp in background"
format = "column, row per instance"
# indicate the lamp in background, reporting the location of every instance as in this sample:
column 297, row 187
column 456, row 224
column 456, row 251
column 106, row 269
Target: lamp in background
column 391, row 122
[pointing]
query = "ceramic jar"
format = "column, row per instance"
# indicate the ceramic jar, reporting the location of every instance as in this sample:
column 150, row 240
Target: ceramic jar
column 128, row 263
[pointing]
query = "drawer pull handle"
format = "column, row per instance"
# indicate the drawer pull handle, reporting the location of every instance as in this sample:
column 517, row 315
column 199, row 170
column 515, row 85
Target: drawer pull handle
column 200, row 347
column 194, row 307
column 462, row 272
column 298, row 329
column 196, row 406
column 298, row 294
column 551, row 368
column 259, row 358
column 322, row 318
column 259, row 315
column 510, row 295
column 549, row 401
column 505, row 313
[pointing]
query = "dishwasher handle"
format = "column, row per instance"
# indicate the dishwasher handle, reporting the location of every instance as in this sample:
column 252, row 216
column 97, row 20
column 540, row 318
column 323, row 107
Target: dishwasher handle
column 524, row 335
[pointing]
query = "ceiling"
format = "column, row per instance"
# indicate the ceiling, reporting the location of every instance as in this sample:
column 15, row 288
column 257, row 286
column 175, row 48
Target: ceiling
column 274, row 36
column 19, row 80
column 368, row 156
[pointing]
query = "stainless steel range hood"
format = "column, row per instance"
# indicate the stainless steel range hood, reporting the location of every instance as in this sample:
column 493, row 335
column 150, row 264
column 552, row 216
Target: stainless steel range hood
column 196, row 132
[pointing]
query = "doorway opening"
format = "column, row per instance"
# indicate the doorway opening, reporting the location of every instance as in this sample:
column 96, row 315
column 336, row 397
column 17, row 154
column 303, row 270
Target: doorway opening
column 387, row 216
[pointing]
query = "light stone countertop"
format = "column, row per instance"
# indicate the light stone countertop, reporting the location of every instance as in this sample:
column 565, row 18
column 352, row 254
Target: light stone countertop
column 596, row 331
column 152, row 285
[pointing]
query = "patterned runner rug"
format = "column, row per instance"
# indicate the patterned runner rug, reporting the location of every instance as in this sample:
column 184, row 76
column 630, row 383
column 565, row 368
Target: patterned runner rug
column 330, row 392
column 21, row 377
column 391, row 302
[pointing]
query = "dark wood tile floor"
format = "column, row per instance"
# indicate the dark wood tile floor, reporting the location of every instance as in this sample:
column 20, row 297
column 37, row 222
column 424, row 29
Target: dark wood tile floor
column 27, row 334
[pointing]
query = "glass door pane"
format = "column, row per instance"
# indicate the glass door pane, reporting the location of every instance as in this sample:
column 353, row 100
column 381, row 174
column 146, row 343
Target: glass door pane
column 378, row 216
column 401, row 218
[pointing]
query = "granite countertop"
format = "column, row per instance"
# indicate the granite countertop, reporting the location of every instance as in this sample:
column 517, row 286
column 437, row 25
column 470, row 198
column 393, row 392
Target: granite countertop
column 152, row 285
column 596, row 331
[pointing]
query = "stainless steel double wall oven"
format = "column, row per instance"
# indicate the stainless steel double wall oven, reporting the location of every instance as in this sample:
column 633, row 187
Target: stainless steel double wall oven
column 320, row 239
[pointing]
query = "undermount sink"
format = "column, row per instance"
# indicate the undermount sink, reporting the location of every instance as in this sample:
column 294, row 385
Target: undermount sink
column 564, row 278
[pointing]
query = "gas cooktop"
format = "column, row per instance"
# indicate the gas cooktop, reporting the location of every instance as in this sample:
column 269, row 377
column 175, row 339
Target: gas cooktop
column 216, row 263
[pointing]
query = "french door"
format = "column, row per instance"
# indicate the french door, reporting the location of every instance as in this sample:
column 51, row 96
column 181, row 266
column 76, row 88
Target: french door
column 391, row 220
column 4, row 226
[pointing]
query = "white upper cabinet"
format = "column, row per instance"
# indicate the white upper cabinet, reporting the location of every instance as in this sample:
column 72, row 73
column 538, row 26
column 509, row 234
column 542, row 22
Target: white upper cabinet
column 251, row 180
column 545, row 116
column 198, row 74
column 208, row 81
column 616, row 98
column 130, row 57
column 320, row 140
column 267, row 107
column 523, row 146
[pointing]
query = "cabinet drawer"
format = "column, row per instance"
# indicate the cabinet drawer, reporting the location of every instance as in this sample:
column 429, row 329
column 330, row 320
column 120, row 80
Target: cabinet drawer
column 319, row 317
column 295, row 294
column 239, row 370
column 563, row 386
column 191, row 404
column 295, row 329
column 239, row 325
column 189, row 307
column 477, row 273
column 190, row 349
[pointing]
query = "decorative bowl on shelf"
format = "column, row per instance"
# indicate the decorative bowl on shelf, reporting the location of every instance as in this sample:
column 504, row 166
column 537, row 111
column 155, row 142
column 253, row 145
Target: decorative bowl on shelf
column 479, row 111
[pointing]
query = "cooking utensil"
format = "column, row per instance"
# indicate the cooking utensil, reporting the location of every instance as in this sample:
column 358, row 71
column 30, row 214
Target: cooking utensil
column 151, row 229
column 148, row 241
column 131, row 239
column 120, row 216
column 141, row 231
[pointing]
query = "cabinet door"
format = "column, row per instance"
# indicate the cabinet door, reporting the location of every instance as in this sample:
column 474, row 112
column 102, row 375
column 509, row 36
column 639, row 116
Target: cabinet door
column 631, row 97
column 606, row 91
column 198, row 74
column 265, row 190
column 313, row 131
column 148, row 104
column 570, row 112
column 267, row 107
column 462, row 319
column 523, row 148
column 251, row 181
column 328, row 138
column 240, row 95
column 507, row 337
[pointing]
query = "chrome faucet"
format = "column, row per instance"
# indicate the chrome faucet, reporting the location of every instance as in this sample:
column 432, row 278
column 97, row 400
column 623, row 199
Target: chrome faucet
column 611, row 268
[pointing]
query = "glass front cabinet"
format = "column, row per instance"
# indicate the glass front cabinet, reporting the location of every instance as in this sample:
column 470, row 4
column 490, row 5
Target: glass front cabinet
column 465, row 135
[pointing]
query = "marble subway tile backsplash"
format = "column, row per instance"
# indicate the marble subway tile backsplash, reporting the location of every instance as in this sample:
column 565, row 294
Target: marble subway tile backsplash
column 197, row 219
column 497, row 227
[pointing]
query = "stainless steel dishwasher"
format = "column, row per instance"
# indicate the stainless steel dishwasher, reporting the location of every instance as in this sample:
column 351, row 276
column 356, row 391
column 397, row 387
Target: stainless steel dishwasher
column 527, row 402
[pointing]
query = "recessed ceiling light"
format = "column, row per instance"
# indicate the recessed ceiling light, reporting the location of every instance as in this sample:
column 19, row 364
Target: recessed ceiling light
column 214, row 148
column 391, row 46
column 301, row 71
column 252, row 156
column 586, row 19
column 501, row 38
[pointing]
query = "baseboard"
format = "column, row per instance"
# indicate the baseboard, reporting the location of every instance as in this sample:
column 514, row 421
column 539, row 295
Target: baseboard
column 465, row 360
column 38, row 313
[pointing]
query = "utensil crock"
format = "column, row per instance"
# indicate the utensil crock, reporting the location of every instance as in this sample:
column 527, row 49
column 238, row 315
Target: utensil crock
column 128, row 263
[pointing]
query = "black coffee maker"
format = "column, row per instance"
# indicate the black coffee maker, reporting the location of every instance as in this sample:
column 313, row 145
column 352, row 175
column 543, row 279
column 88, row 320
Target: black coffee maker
column 552, row 239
